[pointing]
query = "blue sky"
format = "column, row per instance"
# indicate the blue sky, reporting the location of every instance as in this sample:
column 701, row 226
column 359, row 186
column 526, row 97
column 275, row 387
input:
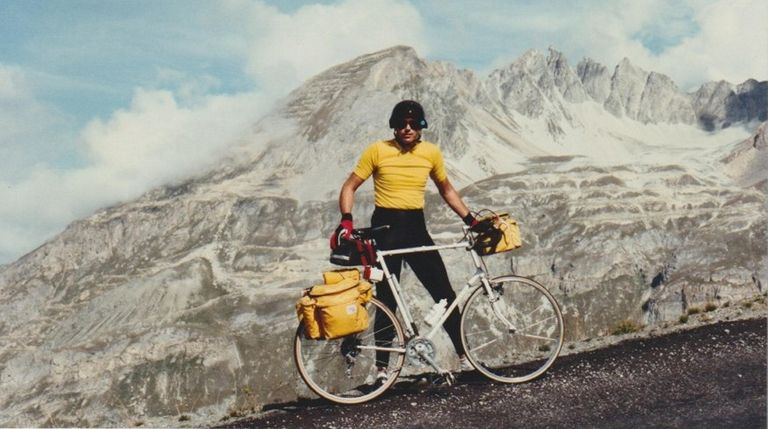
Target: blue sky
column 98, row 98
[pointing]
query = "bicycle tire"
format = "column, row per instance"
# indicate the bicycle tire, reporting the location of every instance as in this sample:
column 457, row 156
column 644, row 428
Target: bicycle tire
column 512, row 356
column 339, row 370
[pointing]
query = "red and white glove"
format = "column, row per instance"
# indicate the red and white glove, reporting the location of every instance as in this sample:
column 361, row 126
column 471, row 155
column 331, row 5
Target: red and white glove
column 343, row 231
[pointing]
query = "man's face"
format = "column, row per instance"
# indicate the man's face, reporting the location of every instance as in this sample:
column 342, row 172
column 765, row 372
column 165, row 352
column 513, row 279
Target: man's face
column 408, row 133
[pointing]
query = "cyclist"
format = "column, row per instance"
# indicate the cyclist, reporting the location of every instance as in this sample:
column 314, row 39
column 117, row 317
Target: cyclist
column 400, row 168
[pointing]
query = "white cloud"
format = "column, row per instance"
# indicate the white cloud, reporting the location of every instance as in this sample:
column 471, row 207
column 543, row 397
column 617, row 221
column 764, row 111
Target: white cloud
column 154, row 142
column 692, row 41
column 732, row 44
column 160, row 139
column 288, row 49
column 728, row 39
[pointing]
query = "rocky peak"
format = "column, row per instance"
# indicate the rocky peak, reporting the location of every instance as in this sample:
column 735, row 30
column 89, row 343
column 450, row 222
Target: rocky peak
column 517, row 84
column 596, row 79
column 314, row 104
column 711, row 93
column 709, row 102
column 565, row 79
column 662, row 101
column 627, row 86
column 749, row 103
column 648, row 97
column 747, row 86
column 533, row 81
column 719, row 104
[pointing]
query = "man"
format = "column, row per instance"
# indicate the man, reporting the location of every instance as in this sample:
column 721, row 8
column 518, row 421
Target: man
column 400, row 168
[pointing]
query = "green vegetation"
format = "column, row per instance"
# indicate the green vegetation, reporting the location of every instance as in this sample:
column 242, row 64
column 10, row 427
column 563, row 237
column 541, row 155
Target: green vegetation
column 683, row 318
column 694, row 310
column 626, row 326
column 710, row 306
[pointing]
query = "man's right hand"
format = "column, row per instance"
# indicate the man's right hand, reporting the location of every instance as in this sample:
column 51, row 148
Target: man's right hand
column 470, row 220
column 344, row 230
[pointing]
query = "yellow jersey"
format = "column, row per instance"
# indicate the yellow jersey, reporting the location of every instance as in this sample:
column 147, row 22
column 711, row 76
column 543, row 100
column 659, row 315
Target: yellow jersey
column 400, row 178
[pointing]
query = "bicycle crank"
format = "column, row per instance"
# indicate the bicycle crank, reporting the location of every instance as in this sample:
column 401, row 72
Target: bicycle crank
column 420, row 352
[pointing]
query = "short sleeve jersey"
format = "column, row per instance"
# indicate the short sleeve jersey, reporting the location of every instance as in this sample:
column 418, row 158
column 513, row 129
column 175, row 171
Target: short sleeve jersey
column 400, row 178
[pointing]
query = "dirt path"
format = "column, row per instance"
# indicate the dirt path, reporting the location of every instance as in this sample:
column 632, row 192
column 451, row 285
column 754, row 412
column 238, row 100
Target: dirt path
column 712, row 376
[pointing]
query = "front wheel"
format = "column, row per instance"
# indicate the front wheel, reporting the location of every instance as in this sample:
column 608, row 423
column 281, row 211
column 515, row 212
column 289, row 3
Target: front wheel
column 347, row 370
column 513, row 334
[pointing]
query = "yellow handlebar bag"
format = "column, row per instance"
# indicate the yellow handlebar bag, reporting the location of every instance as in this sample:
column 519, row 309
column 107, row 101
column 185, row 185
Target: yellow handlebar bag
column 496, row 233
column 334, row 310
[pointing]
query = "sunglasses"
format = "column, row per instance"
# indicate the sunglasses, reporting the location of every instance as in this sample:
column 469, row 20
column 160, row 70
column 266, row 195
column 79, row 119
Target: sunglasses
column 415, row 125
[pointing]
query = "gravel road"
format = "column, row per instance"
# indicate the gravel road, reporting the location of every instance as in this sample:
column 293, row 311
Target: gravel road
column 712, row 376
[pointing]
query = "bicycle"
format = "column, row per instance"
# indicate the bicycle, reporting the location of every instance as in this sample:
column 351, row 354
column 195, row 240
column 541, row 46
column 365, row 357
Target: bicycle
column 511, row 328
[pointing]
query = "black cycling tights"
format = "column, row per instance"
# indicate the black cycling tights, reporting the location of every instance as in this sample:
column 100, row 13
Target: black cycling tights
column 408, row 229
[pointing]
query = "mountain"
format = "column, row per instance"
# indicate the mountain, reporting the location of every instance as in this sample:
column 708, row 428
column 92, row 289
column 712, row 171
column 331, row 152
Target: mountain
column 180, row 304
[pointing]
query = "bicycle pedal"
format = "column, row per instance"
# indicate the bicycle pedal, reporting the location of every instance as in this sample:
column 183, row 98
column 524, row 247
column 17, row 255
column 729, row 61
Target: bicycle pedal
column 439, row 380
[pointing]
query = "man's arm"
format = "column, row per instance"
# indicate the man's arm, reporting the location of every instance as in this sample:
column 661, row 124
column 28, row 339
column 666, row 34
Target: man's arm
column 347, row 194
column 346, row 200
column 452, row 197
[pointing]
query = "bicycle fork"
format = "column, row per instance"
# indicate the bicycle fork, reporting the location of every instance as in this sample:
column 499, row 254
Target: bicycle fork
column 494, row 299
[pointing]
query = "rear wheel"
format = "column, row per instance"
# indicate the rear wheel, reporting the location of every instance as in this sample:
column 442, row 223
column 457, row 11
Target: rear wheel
column 345, row 370
column 515, row 334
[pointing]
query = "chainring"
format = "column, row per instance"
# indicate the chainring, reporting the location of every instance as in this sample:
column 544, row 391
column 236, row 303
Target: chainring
column 418, row 347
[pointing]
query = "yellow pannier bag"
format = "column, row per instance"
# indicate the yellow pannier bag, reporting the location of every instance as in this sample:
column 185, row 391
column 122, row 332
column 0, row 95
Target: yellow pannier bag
column 305, row 309
column 340, row 307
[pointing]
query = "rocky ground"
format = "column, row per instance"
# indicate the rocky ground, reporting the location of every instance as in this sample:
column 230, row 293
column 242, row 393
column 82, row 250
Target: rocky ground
column 707, row 372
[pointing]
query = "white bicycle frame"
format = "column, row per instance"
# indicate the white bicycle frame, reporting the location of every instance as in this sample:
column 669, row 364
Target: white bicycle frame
column 480, row 274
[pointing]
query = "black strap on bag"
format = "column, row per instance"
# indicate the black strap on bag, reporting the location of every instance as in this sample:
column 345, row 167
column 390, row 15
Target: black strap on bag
column 488, row 237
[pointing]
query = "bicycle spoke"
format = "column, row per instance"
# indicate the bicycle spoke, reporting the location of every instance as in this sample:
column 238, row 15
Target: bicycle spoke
column 481, row 346
column 542, row 305
column 537, row 337
column 479, row 332
column 541, row 321
column 373, row 333
column 383, row 349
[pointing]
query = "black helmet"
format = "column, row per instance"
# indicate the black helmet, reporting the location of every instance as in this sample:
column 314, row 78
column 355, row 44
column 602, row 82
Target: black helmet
column 407, row 109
